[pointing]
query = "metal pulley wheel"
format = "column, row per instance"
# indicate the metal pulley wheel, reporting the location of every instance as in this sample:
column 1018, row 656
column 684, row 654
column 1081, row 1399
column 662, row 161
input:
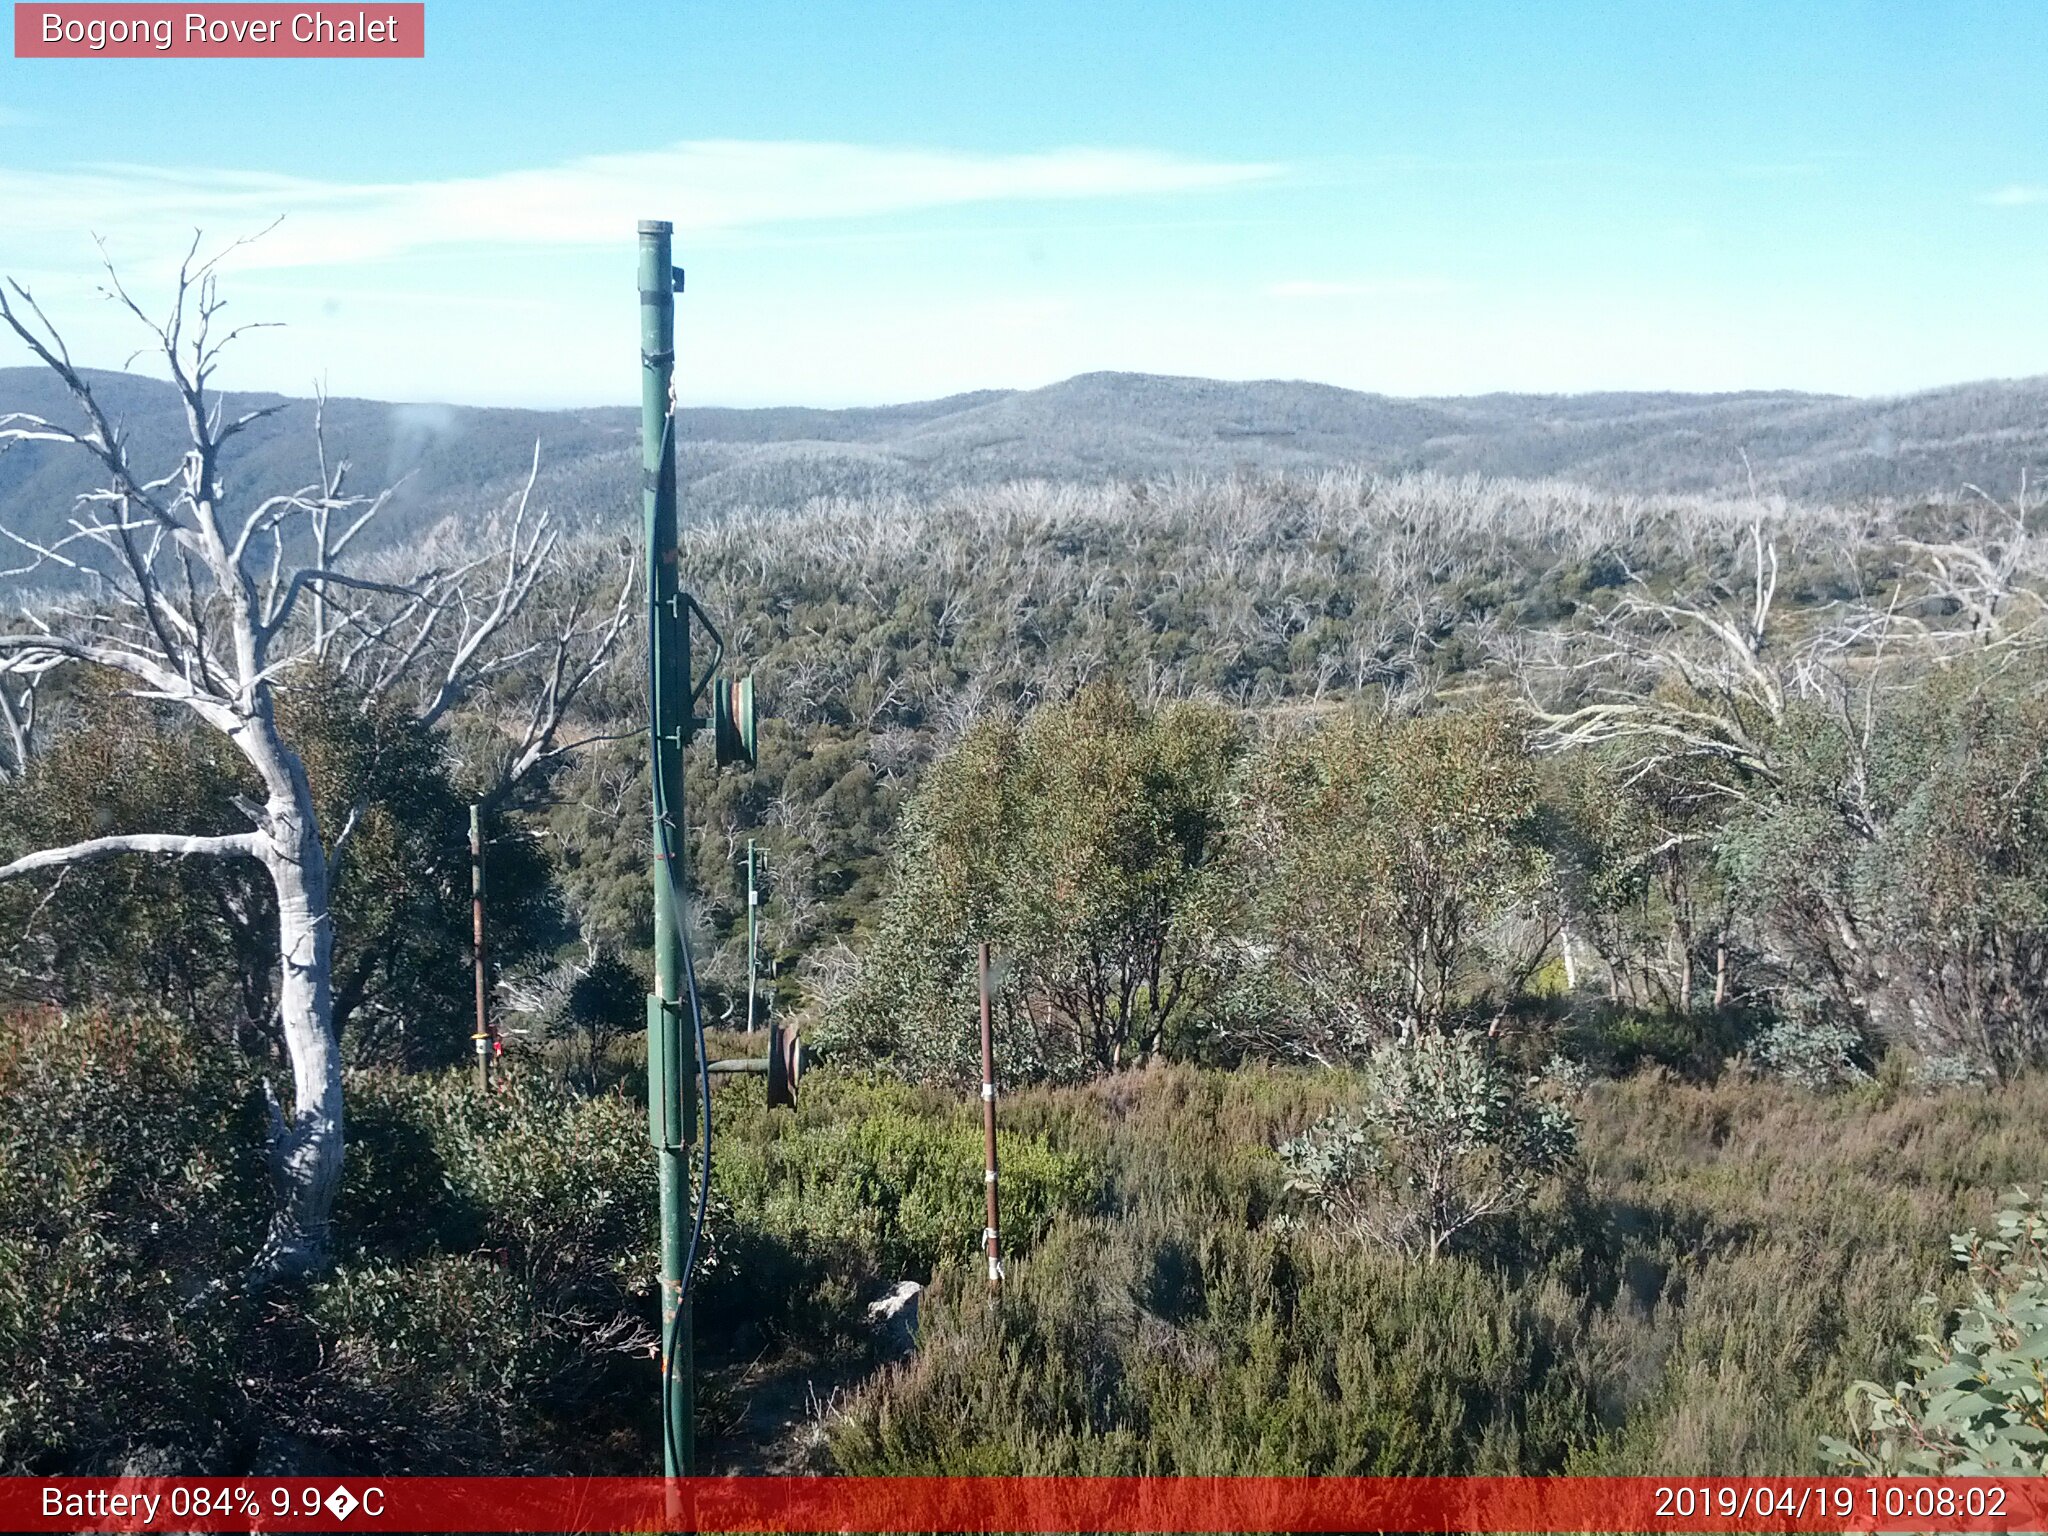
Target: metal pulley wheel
column 786, row 1061
column 732, row 711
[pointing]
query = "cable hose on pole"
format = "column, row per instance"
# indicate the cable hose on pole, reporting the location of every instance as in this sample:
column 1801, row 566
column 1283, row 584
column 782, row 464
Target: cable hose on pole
column 666, row 859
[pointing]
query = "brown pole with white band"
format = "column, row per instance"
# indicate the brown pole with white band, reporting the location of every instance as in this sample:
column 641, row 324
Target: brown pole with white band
column 988, row 1128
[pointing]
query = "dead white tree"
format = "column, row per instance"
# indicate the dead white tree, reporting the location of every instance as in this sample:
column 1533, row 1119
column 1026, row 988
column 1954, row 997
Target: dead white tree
column 18, row 719
column 1709, row 680
column 194, row 602
column 1986, row 581
column 1697, row 698
column 1691, row 693
column 1702, row 680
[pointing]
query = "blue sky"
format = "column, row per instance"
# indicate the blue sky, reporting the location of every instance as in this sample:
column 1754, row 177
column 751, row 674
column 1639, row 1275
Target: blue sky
column 888, row 201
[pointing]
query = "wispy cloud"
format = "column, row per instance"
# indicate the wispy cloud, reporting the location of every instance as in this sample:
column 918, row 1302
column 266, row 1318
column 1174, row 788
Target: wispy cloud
column 14, row 117
column 2017, row 195
column 705, row 186
column 1773, row 170
column 1368, row 288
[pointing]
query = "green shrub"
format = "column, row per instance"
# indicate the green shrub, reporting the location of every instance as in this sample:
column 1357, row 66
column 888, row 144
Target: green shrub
column 1894, row 875
column 1978, row 1399
column 1078, row 843
column 1614, row 1041
column 1816, row 1053
column 446, row 1362
column 1152, row 1348
column 1383, row 860
column 1692, row 1297
column 197, row 938
column 869, row 1181
column 129, row 1180
column 558, row 1185
column 493, row 1277
column 1445, row 1136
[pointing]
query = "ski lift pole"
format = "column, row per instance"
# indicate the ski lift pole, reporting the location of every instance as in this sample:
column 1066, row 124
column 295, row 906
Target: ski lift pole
column 671, row 1048
column 676, row 1073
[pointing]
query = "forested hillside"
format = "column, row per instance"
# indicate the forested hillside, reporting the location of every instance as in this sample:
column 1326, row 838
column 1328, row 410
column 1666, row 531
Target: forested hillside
column 1497, row 975
column 446, row 461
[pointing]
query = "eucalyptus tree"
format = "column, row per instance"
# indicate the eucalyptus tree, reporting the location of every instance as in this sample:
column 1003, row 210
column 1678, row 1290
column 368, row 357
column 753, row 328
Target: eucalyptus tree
column 1383, row 861
column 215, row 603
column 1866, row 766
column 1081, row 843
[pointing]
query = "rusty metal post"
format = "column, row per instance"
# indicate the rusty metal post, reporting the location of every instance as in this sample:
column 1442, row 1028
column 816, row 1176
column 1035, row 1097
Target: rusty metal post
column 482, row 1038
column 753, row 937
column 988, row 1128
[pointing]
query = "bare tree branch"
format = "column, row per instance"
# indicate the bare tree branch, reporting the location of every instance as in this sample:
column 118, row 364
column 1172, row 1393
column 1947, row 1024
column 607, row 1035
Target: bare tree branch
column 246, row 845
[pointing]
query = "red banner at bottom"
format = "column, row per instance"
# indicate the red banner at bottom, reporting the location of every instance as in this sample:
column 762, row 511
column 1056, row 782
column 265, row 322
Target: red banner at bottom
column 1076, row 1504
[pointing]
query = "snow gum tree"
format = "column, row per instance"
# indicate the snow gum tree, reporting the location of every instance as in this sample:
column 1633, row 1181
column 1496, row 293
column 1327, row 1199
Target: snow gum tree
column 192, row 596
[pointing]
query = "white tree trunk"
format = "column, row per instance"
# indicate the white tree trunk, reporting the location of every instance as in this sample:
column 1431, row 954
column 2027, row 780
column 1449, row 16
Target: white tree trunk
column 306, row 1147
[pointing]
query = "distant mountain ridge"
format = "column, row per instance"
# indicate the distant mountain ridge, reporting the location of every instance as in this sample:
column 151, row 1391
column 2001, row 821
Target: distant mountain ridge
column 457, row 460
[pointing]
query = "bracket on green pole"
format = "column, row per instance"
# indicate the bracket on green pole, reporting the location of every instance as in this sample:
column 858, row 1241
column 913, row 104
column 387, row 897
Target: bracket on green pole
column 671, row 1069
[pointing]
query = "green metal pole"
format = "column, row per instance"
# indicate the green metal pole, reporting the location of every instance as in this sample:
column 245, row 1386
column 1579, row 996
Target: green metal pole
column 671, row 1047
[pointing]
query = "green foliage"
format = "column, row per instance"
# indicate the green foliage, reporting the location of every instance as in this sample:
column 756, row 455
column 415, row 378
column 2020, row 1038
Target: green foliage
column 1901, row 881
column 1978, row 1399
column 1376, row 863
column 1695, row 1293
column 1635, row 871
column 1383, row 856
column 1815, row 1053
column 597, row 824
column 199, row 935
column 1693, row 1298
column 869, row 1181
column 880, row 630
column 128, row 1180
column 444, row 1362
column 581, row 1008
column 489, row 1308
column 402, row 983
column 492, row 1305
column 1615, row 1041
column 1443, row 1136
column 1140, row 1349
column 559, row 1185
column 1076, row 843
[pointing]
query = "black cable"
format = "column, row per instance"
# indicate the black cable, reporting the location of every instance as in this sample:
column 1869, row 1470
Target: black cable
column 689, row 1274
column 666, row 858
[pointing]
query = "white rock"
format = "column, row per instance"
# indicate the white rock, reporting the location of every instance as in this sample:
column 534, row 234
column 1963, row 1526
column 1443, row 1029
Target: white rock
column 896, row 1313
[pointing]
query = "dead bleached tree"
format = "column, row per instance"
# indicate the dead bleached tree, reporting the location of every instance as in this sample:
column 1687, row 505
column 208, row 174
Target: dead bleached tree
column 1688, row 695
column 18, row 719
column 194, row 601
column 1708, row 680
column 1701, row 681
column 1823, row 749
column 1987, row 581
